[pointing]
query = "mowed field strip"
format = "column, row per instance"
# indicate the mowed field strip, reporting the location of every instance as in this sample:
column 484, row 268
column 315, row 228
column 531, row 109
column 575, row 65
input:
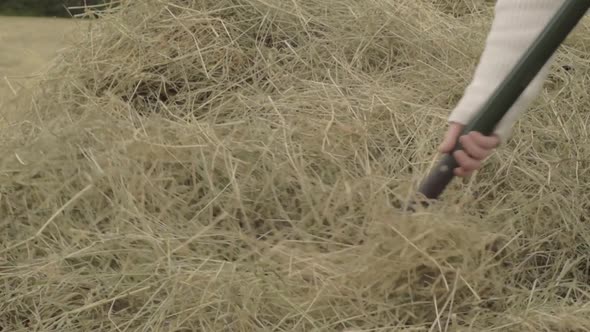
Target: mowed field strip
column 27, row 45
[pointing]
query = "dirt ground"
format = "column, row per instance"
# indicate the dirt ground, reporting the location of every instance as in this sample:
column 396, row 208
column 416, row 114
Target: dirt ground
column 27, row 45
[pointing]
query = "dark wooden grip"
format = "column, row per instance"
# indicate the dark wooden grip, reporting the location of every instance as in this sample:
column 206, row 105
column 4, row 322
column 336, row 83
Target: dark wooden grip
column 438, row 179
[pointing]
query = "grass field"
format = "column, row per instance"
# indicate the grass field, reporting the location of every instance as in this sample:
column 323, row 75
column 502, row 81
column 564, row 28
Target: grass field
column 27, row 45
column 233, row 165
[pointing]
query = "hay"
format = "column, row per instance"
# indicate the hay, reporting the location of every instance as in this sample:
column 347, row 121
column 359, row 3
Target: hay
column 200, row 165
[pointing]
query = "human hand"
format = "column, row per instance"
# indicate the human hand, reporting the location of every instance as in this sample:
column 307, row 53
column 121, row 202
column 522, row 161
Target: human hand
column 475, row 149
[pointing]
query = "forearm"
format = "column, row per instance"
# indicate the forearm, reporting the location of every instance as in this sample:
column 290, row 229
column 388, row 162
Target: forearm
column 517, row 23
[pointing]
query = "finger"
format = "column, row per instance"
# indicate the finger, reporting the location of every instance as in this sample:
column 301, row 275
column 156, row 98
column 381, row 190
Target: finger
column 450, row 138
column 486, row 142
column 466, row 162
column 461, row 172
column 472, row 148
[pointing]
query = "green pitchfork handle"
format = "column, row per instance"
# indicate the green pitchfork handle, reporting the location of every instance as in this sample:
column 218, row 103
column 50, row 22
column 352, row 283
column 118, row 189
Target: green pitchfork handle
column 560, row 26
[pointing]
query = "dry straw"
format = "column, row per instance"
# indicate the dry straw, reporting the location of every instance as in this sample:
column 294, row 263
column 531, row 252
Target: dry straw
column 239, row 165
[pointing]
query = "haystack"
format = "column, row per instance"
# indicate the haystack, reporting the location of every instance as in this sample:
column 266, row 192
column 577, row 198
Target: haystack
column 233, row 165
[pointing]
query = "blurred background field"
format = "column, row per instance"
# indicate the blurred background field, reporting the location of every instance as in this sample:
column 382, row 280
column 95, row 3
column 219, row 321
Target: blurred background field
column 31, row 32
column 27, row 47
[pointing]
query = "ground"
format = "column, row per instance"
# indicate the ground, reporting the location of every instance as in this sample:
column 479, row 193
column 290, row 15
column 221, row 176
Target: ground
column 27, row 46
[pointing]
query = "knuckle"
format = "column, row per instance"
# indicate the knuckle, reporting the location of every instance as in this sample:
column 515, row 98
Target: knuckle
column 476, row 151
column 471, row 164
column 473, row 150
column 462, row 156
column 477, row 135
column 480, row 154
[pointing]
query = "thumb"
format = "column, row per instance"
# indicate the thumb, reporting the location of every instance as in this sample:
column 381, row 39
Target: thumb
column 450, row 137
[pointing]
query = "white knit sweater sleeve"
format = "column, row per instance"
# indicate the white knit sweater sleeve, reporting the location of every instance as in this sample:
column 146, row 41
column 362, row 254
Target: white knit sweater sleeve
column 516, row 25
